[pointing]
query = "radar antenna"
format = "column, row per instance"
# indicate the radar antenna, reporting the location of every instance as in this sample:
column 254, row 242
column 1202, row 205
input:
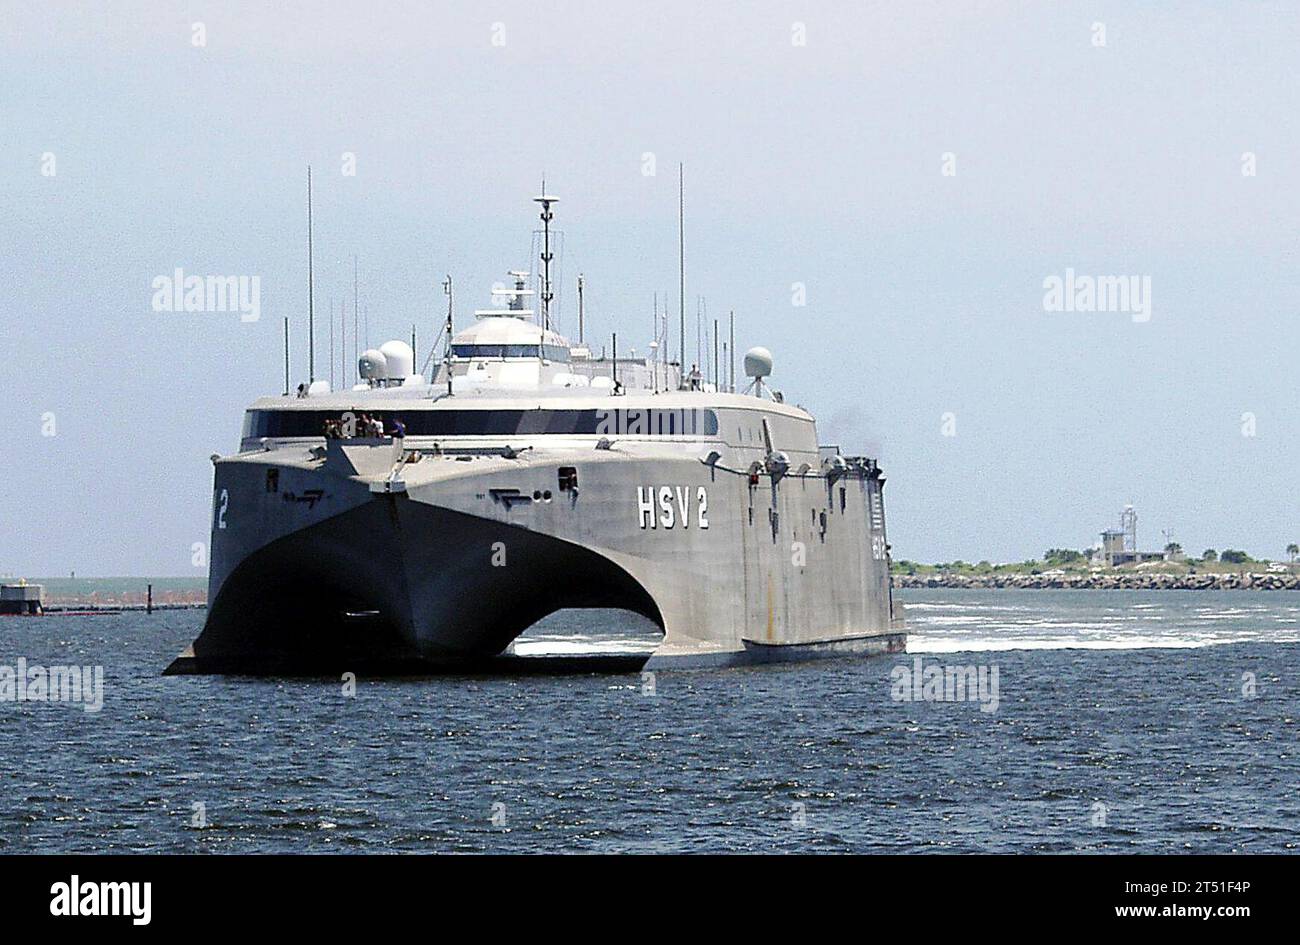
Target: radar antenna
column 516, row 303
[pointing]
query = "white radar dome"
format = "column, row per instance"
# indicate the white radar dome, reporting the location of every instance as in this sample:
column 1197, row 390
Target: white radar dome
column 372, row 365
column 400, row 359
column 758, row 362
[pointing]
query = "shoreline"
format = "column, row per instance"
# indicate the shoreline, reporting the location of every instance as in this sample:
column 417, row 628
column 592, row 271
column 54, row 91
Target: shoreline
column 171, row 600
column 1248, row 581
column 72, row 608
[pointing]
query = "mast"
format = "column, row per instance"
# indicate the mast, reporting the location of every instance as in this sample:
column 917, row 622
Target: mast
column 311, row 293
column 331, row 342
column 286, row 355
column 546, row 200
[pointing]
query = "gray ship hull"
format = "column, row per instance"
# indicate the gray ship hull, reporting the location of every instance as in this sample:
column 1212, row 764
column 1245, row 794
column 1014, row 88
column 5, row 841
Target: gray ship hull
column 350, row 556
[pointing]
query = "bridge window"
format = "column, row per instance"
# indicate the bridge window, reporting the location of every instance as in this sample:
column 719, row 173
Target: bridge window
column 495, row 351
column 311, row 423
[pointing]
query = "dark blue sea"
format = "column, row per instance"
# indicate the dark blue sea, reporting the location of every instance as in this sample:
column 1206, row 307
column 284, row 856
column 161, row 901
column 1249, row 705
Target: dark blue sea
column 1152, row 722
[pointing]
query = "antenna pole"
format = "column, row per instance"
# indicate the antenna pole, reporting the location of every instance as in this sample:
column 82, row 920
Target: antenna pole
column 731, row 358
column 580, row 341
column 414, row 359
column 286, row 355
column 615, row 344
column 331, row 342
column 356, row 337
column 663, row 348
column 311, row 292
column 547, row 216
column 446, row 348
column 699, row 343
column 681, row 272
column 654, row 334
column 717, row 381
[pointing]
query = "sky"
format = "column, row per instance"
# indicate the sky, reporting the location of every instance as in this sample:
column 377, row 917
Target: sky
column 913, row 174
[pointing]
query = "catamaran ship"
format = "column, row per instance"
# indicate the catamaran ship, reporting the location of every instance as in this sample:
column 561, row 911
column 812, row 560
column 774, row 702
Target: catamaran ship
column 413, row 523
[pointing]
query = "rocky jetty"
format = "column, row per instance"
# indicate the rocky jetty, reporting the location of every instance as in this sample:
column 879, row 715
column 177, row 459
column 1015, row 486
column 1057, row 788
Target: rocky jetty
column 1107, row 581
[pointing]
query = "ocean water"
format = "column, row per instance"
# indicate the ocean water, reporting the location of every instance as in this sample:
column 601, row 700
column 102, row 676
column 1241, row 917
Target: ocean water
column 1125, row 722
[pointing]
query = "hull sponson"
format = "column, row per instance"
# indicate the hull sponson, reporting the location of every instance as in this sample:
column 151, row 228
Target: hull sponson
column 470, row 548
column 397, row 584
